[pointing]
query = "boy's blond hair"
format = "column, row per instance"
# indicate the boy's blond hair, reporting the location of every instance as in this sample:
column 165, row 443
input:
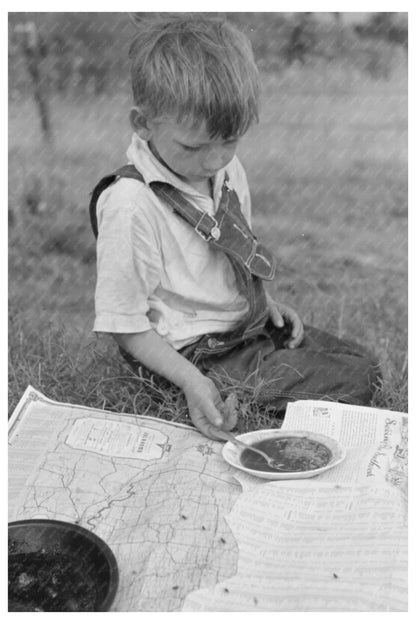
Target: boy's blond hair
column 200, row 68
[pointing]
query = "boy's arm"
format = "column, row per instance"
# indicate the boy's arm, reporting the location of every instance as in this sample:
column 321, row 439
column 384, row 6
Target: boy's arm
column 205, row 405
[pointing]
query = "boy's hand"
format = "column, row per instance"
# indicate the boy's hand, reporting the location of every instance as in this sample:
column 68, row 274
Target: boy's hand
column 207, row 410
column 282, row 315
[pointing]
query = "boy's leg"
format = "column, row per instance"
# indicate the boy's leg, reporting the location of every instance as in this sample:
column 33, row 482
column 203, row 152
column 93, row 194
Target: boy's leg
column 322, row 367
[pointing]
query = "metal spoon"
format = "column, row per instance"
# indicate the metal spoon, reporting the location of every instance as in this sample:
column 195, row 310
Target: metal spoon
column 270, row 461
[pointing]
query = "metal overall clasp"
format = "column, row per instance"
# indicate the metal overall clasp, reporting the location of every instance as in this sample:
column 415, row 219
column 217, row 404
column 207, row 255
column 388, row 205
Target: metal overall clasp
column 215, row 231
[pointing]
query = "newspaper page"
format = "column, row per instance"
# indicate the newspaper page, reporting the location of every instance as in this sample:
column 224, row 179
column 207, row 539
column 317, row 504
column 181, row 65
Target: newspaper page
column 376, row 440
column 313, row 546
column 337, row 542
column 192, row 533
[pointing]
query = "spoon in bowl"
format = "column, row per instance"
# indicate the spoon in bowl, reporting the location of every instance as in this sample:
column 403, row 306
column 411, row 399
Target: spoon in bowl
column 270, row 461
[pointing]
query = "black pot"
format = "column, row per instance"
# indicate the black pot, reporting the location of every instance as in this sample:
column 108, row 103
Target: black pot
column 88, row 559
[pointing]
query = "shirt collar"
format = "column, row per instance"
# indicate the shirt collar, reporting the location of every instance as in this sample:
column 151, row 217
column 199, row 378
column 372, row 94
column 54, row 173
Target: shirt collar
column 153, row 170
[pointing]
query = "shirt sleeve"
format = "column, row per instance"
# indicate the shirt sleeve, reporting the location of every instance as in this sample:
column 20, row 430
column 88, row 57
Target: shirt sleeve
column 128, row 260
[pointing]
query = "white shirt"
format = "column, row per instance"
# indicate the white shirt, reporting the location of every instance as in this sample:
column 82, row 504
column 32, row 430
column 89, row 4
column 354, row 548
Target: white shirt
column 153, row 269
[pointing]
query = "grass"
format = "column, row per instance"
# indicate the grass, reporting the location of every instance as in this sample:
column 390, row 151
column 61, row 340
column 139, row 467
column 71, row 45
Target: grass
column 328, row 173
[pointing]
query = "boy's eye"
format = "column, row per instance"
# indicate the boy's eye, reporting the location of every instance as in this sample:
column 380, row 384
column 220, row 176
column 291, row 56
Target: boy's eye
column 190, row 148
column 230, row 143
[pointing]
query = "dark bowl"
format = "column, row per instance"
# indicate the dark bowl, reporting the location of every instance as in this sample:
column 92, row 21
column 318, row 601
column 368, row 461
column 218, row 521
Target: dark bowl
column 58, row 566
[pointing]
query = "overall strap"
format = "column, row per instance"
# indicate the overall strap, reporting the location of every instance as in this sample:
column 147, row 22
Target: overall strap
column 128, row 171
column 242, row 246
column 202, row 222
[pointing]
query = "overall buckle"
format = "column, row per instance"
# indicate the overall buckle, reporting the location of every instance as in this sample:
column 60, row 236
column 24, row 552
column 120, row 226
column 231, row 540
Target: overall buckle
column 215, row 231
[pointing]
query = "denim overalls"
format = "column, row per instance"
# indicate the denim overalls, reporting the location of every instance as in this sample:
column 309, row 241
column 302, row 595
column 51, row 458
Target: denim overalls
column 253, row 354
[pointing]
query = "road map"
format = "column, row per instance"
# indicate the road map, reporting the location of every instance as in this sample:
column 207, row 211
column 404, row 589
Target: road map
column 156, row 492
column 192, row 533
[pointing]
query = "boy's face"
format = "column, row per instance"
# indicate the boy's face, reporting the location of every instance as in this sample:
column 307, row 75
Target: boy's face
column 187, row 150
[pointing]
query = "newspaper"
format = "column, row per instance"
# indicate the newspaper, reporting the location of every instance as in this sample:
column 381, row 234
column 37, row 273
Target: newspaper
column 337, row 542
column 377, row 440
column 192, row 533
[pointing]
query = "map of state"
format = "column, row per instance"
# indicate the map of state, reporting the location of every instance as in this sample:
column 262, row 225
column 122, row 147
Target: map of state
column 156, row 492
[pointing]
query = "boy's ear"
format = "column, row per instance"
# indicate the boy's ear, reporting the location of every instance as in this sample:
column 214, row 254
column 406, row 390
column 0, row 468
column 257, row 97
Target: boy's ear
column 139, row 123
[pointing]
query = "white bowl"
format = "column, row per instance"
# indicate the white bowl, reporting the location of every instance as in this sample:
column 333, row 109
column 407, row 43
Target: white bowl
column 232, row 454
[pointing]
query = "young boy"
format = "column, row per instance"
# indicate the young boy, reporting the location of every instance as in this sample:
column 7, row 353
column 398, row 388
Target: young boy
column 180, row 274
